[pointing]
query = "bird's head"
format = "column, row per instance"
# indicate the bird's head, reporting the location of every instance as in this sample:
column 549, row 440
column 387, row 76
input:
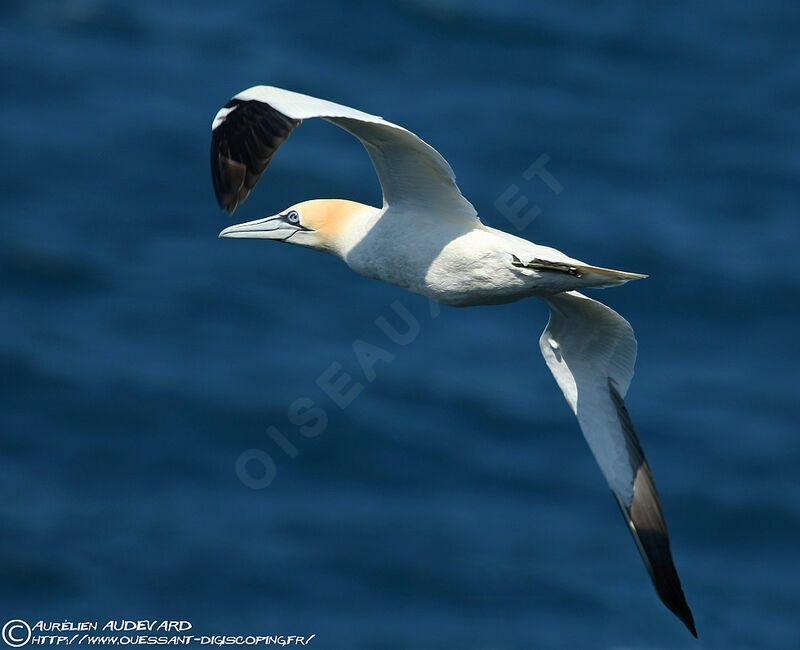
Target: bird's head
column 322, row 224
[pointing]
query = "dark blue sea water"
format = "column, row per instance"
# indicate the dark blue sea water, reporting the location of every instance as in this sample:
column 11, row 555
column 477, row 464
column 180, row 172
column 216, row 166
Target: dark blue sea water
column 453, row 503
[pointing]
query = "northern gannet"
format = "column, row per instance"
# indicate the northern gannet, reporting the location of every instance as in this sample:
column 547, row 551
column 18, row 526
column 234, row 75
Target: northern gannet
column 427, row 238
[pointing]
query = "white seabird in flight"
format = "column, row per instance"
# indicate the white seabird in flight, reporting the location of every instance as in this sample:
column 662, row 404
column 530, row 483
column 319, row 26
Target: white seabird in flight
column 427, row 238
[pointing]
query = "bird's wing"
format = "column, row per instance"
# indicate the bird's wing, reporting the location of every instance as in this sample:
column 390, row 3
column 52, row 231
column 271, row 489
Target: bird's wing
column 591, row 350
column 248, row 130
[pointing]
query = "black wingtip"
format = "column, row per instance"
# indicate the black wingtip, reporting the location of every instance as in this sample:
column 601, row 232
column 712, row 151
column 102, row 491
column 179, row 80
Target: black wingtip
column 646, row 522
column 677, row 605
column 653, row 543
column 229, row 178
column 242, row 145
column 682, row 611
column 685, row 614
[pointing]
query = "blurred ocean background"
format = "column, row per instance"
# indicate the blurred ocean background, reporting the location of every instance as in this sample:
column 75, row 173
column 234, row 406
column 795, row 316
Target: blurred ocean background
column 454, row 503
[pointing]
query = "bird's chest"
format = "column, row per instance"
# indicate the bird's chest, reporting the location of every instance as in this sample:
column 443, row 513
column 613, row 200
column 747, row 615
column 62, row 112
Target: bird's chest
column 398, row 256
column 449, row 263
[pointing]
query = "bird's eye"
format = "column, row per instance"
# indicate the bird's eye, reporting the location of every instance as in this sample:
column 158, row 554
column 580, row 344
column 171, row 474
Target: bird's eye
column 293, row 217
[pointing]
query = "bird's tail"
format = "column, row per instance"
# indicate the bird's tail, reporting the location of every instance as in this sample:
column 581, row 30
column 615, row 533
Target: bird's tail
column 583, row 274
column 597, row 276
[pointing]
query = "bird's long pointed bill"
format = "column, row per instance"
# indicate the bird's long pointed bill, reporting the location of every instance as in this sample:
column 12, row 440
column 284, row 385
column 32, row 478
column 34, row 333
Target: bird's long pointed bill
column 269, row 228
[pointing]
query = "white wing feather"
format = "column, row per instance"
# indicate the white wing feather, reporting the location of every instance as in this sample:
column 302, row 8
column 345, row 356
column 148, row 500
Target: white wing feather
column 411, row 172
column 586, row 343
column 591, row 351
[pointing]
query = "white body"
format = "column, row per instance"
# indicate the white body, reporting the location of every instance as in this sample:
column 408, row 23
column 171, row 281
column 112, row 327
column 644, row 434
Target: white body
column 453, row 261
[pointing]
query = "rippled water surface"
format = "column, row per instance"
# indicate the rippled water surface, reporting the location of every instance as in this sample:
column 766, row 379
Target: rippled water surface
column 453, row 504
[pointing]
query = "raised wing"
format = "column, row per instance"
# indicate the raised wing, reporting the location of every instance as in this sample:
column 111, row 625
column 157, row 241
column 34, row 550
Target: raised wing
column 591, row 351
column 247, row 132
